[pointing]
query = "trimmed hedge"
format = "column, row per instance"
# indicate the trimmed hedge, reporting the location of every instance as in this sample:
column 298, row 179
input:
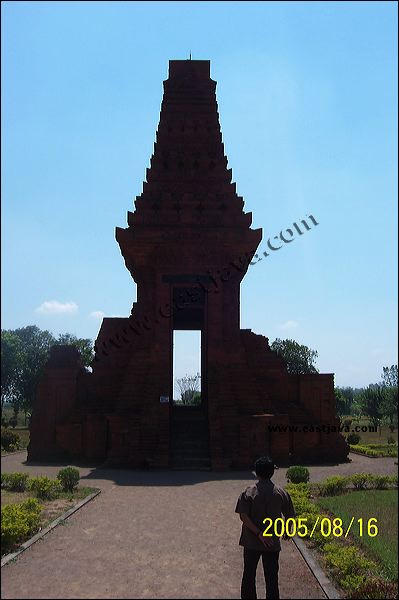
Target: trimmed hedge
column 375, row 450
column 14, row 482
column 333, row 486
column 353, row 438
column 297, row 474
column 18, row 522
column 44, row 487
column 69, row 478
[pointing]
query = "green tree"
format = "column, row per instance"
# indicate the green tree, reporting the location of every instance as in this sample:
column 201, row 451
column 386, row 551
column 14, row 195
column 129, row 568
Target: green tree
column 299, row 358
column 84, row 345
column 10, row 365
column 343, row 405
column 390, row 376
column 35, row 346
column 372, row 403
column 24, row 353
column 390, row 404
column 189, row 387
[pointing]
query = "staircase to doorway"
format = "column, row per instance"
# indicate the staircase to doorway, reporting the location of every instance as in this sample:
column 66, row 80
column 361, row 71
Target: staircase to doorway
column 189, row 441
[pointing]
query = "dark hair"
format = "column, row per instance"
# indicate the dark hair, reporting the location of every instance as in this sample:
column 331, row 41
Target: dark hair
column 264, row 467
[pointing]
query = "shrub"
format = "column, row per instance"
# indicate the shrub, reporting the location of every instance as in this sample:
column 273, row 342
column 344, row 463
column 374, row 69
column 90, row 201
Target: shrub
column 393, row 480
column 347, row 562
column 318, row 539
column 14, row 482
column 302, row 489
column 353, row 438
column 69, row 478
column 360, row 480
column 9, row 440
column 18, row 521
column 379, row 482
column 297, row 474
column 375, row 588
column 392, row 451
column 332, row 486
column 368, row 451
column 353, row 581
column 391, row 440
column 44, row 487
column 302, row 505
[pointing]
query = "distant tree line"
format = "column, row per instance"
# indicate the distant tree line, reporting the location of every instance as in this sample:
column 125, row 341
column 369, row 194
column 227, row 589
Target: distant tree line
column 24, row 353
column 378, row 401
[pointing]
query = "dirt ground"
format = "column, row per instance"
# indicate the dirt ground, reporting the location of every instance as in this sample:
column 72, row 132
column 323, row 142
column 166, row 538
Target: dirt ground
column 156, row 534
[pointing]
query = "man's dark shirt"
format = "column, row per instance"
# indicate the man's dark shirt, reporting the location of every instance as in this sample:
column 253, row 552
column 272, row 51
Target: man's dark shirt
column 259, row 501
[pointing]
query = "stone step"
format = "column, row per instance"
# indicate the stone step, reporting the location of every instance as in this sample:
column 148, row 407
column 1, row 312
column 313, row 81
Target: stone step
column 191, row 463
column 202, row 445
column 189, row 435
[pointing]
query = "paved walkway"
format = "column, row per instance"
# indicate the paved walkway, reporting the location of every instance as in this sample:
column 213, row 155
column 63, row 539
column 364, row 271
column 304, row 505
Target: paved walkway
column 156, row 534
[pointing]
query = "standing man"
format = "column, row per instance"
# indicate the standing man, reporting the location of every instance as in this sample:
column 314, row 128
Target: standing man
column 258, row 502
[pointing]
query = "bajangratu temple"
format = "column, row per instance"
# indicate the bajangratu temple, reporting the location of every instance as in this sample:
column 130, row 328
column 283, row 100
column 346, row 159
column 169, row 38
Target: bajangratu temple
column 187, row 246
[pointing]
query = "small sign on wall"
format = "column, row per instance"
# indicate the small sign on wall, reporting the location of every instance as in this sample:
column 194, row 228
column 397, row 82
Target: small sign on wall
column 164, row 399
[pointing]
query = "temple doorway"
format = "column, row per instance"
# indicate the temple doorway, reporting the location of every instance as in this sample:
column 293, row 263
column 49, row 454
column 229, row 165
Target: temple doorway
column 189, row 431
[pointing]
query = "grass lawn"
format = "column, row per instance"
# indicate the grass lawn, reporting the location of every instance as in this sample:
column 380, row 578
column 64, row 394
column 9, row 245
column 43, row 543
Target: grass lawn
column 371, row 437
column 367, row 504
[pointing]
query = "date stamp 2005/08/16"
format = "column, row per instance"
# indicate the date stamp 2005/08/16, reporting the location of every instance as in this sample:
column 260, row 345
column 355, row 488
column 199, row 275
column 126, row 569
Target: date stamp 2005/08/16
column 327, row 527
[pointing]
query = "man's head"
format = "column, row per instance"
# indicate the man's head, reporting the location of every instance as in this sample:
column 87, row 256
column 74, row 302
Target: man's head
column 264, row 467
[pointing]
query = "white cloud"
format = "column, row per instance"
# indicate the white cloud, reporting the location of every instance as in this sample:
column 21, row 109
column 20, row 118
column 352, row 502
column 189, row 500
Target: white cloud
column 289, row 325
column 97, row 314
column 53, row 307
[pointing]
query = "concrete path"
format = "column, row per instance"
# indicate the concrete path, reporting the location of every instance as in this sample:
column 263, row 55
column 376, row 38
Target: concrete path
column 156, row 534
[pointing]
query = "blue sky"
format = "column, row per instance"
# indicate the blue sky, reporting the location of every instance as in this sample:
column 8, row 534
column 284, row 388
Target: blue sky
column 307, row 98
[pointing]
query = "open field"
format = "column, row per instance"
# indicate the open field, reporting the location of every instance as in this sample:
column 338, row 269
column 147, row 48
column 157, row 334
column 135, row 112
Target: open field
column 371, row 437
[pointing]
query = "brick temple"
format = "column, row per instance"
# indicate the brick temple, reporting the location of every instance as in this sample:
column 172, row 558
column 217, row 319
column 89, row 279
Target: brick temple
column 187, row 246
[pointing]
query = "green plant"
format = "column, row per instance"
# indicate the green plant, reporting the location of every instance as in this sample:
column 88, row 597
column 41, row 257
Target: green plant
column 379, row 482
column 9, row 440
column 360, row 480
column 375, row 587
column 353, row 438
column 347, row 562
column 332, row 486
column 69, row 478
column 297, row 474
column 14, row 482
column 393, row 480
column 368, row 451
column 44, row 487
column 391, row 440
column 302, row 489
column 18, row 521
